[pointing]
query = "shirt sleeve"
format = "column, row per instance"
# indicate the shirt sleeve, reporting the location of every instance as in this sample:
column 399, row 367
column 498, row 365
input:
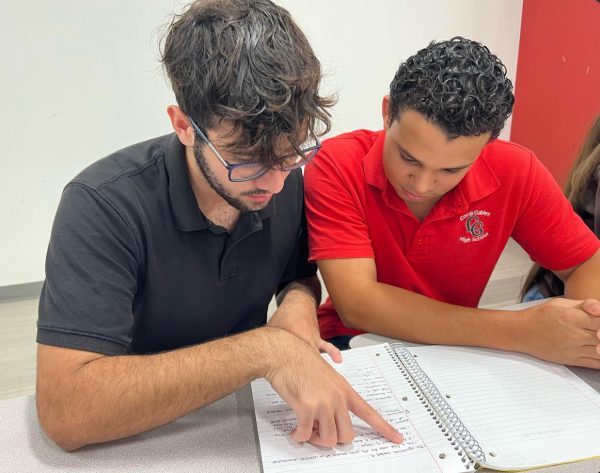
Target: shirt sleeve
column 548, row 228
column 337, row 223
column 91, row 276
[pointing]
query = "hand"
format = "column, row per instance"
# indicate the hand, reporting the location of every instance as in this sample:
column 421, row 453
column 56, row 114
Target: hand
column 320, row 397
column 297, row 315
column 592, row 307
column 564, row 331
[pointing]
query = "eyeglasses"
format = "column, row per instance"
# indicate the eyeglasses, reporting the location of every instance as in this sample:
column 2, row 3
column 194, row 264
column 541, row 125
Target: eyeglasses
column 241, row 172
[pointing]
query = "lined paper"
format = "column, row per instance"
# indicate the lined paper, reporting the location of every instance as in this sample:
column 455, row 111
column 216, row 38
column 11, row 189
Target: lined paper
column 372, row 372
column 524, row 412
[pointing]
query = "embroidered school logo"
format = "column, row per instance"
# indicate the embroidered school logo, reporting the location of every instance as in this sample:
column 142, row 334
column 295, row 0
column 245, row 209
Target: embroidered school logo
column 474, row 226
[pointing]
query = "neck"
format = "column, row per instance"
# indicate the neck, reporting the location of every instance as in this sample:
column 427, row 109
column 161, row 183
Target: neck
column 210, row 203
column 421, row 210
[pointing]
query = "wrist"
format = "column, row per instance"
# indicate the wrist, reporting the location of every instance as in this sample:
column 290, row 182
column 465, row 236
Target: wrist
column 277, row 344
column 492, row 328
column 512, row 330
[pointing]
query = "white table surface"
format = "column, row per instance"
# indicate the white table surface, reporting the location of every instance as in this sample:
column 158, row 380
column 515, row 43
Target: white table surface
column 218, row 438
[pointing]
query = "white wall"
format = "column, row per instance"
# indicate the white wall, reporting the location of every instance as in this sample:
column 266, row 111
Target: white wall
column 80, row 79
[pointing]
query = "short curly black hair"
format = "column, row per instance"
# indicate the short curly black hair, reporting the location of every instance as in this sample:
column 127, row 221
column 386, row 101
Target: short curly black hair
column 457, row 84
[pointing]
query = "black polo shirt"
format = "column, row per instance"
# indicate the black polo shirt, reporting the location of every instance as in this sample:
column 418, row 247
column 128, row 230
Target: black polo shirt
column 134, row 267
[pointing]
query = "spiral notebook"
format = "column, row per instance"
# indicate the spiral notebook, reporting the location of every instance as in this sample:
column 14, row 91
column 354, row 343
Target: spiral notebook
column 459, row 409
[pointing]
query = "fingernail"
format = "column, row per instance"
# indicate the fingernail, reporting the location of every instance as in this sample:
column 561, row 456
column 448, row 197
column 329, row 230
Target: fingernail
column 398, row 438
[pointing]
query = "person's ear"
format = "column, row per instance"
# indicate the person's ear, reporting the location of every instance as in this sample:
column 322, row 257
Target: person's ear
column 385, row 111
column 181, row 124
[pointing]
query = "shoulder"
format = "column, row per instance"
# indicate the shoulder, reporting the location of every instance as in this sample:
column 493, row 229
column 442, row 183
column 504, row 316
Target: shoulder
column 127, row 162
column 121, row 187
column 354, row 144
column 502, row 155
column 343, row 155
column 512, row 163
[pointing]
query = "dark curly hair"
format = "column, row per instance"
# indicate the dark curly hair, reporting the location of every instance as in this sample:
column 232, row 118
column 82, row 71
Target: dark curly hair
column 247, row 62
column 457, row 84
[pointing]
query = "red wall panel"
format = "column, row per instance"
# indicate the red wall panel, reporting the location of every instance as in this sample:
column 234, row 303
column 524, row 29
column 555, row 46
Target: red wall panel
column 558, row 79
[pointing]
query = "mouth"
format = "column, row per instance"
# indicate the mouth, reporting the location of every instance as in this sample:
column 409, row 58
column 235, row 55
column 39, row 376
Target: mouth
column 260, row 198
column 415, row 197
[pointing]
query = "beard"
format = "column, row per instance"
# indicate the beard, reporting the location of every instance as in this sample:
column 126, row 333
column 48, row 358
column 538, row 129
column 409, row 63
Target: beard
column 215, row 185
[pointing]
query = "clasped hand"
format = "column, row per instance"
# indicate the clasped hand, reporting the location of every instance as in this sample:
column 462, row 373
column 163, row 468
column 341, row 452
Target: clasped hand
column 564, row 331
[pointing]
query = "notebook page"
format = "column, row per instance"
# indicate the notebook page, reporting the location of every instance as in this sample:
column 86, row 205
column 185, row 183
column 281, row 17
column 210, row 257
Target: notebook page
column 524, row 412
column 372, row 371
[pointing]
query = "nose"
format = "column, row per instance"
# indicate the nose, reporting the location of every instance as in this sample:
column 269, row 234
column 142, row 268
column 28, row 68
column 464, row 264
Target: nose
column 422, row 183
column 272, row 180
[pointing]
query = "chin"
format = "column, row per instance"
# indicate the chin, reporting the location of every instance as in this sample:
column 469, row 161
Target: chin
column 254, row 206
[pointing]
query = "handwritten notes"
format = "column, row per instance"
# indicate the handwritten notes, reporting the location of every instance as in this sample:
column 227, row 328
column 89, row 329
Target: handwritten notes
column 371, row 371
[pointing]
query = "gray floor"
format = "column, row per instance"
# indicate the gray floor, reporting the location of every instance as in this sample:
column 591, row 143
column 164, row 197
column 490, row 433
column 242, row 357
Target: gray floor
column 18, row 317
column 17, row 347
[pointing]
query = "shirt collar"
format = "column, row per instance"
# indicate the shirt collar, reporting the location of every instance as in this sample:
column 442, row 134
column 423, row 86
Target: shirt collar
column 479, row 182
column 373, row 163
column 188, row 217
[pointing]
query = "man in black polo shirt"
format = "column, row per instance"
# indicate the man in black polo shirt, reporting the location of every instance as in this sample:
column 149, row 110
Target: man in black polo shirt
column 164, row 255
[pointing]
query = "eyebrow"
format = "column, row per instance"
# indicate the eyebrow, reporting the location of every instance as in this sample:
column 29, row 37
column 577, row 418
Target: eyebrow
column 410, row 156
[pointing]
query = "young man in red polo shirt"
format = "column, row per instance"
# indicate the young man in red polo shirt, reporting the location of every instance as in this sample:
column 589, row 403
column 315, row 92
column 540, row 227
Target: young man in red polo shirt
column 407, row 224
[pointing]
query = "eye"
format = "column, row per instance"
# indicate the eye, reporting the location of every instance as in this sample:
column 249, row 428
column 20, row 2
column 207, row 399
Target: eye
column 407, row 159
column 452, row 171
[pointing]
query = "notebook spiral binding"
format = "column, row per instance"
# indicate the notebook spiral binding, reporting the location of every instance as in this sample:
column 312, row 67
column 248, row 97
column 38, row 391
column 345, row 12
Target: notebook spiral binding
column 444, row 416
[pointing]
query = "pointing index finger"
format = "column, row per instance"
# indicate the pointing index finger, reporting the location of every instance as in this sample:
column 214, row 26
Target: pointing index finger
column 363, row 410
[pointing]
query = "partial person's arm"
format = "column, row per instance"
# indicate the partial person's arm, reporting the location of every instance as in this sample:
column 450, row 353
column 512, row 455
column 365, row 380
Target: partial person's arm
column 583, row 281
column 85, row 398
column 561, row 330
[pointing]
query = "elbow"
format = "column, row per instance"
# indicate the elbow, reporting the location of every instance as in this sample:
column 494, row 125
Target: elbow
column 349, row 315
column 68, row 445
column 59, row 429
column 353, row 303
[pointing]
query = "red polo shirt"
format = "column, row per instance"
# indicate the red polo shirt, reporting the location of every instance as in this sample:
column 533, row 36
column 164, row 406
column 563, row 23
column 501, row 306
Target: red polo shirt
column 354, row 212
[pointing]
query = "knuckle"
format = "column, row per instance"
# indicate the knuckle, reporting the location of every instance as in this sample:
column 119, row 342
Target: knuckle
column 347, row 437
column 308, row 406
column 301, row 436
column 305, row 424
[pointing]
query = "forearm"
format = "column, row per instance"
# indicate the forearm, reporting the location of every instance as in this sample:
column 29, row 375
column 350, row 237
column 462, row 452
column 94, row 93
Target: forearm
column 307, row 289
column 297, row 309
column 398, row 313
column 115, row 397
column 584, row 281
